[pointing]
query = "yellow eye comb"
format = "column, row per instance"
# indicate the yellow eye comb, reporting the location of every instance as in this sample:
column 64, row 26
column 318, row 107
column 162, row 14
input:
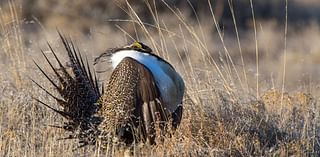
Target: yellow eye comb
column 137, row 45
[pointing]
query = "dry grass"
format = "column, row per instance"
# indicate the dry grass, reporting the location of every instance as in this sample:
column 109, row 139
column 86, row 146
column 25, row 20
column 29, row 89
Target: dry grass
column 223, row 115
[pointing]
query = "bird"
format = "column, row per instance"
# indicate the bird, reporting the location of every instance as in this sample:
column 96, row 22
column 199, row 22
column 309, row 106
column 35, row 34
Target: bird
column 144, row 92
column 156, row 89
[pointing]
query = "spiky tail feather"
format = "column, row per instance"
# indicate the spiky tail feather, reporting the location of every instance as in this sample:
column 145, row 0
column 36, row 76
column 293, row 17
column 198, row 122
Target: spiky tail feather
column 79, row 93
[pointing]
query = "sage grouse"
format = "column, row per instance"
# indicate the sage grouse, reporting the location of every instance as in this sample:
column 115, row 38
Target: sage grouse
column 144, row 94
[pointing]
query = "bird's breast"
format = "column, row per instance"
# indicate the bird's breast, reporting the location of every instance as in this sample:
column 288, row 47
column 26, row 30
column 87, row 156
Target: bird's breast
column 168, row 81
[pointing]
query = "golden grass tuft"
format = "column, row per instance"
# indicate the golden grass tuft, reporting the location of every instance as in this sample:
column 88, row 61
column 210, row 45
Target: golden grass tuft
column 223, row 115
column 11, row 46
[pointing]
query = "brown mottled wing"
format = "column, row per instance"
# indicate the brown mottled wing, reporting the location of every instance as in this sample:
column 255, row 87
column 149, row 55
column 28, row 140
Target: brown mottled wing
column 133, row 97
column 78, row 89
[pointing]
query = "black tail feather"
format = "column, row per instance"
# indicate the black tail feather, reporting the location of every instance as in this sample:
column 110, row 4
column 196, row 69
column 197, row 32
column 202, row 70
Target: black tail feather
column 54, row 70
column 51, row 81
column 60, row 101
column 62, row 113
column 60, row 65
column 79, row 91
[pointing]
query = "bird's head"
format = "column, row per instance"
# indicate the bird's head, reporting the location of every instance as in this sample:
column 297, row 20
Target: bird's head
column 137, row 46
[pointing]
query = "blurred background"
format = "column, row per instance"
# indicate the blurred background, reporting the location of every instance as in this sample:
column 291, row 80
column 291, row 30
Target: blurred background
column 99, row 24
column 240, row 61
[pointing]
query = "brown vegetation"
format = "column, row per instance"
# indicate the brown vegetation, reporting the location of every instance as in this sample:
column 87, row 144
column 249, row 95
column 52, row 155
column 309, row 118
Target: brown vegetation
column 231, row 109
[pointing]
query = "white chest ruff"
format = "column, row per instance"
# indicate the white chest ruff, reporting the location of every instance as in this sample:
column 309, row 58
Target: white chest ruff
column 169, row 91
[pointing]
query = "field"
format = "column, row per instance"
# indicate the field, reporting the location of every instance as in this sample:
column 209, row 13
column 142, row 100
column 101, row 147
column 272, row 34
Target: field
column 251, row 75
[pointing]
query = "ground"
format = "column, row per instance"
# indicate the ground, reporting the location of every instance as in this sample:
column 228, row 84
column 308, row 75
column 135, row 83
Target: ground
column 252, row 88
